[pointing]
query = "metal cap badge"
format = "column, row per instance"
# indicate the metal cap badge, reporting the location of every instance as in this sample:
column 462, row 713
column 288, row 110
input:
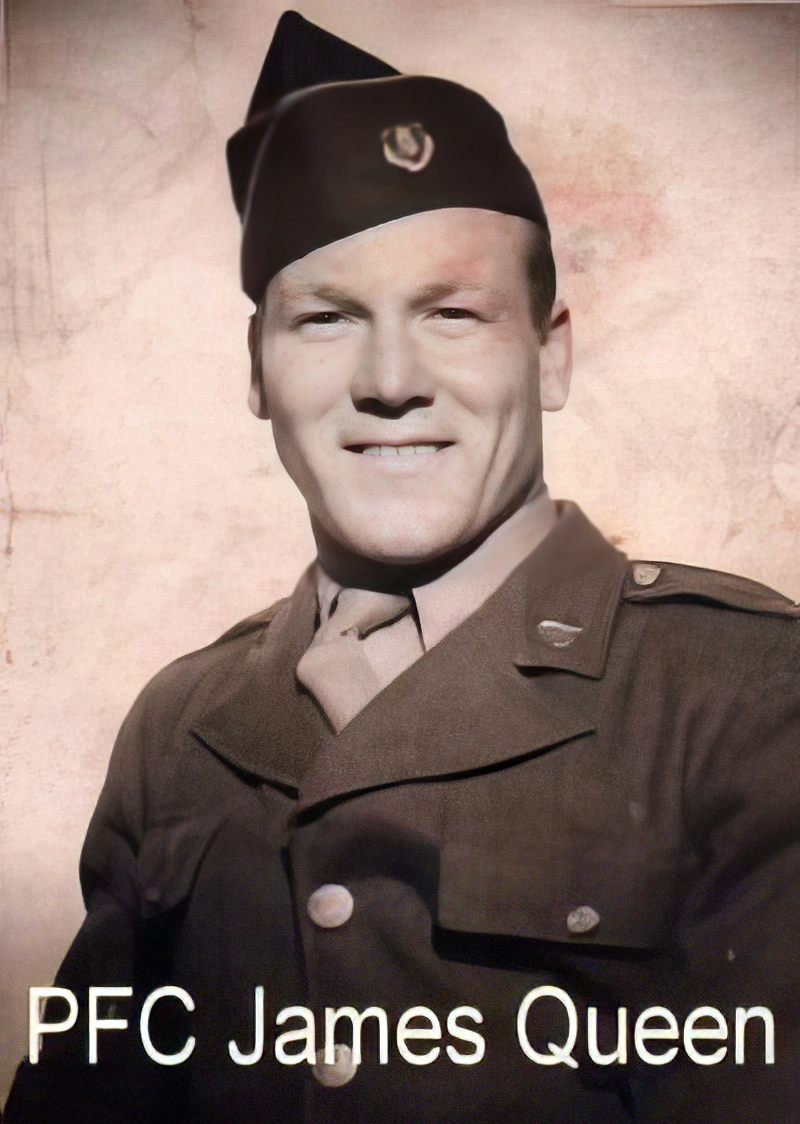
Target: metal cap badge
column 407, row 146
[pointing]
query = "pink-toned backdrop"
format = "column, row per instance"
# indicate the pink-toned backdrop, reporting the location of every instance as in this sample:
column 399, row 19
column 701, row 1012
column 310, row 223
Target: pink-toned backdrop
column 142, row 508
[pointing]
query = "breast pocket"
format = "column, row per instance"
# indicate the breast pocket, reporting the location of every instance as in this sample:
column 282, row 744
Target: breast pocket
column 169, row 860
column 569, row 895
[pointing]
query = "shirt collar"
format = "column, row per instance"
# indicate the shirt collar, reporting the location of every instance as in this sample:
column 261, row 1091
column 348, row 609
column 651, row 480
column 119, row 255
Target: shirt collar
column 445, row 603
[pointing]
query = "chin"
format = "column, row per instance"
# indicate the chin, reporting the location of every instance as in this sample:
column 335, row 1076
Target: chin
column 401, row 542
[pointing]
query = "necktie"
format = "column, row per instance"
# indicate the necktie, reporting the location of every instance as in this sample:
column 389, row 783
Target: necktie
column 335, row 668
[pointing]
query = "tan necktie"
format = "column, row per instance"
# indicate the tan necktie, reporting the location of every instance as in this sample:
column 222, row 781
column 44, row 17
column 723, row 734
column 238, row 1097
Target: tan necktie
column 335, row 668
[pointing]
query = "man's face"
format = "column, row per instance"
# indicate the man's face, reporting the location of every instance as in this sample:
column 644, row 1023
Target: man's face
column 400, row 370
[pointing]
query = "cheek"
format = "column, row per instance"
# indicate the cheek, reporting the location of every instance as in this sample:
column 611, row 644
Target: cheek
column 501, row 398
column 304, row 391
column 298, row 373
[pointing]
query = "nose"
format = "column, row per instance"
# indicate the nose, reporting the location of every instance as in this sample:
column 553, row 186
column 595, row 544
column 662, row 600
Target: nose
column 392, row 378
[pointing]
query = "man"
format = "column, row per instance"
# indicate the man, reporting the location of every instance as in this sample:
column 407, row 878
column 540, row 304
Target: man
column 484, row 822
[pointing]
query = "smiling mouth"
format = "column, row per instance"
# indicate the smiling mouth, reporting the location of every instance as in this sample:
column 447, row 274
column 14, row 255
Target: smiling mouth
column 399, row 450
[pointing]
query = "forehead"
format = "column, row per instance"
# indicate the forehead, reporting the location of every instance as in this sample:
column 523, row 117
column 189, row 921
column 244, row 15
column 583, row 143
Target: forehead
column 464, row 245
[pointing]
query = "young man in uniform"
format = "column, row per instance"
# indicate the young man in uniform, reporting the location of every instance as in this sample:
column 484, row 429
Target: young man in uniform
column 507, row 822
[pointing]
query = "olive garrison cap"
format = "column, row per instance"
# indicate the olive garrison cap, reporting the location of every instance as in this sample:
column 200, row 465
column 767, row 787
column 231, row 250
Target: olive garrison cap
column 336, row 142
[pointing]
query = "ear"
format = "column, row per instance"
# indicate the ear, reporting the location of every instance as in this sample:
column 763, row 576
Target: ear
column 257, row 398
column 555, row 359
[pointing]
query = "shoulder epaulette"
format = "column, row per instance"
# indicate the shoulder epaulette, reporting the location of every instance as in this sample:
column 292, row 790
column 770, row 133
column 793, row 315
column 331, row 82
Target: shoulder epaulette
column 250, row 624
column 660, row 581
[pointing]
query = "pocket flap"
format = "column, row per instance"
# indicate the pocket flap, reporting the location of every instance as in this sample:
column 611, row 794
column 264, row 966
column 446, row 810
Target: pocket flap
column 579, row 899
column 169, row 858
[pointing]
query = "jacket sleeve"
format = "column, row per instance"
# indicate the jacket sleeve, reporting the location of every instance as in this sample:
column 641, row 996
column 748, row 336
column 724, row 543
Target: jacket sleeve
column 122, row 1087
column 740, row 930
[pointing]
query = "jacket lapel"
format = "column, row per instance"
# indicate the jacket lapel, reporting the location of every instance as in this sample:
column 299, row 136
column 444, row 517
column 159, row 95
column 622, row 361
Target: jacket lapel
column 265, row 724
column 500, row 686
column 504, row 685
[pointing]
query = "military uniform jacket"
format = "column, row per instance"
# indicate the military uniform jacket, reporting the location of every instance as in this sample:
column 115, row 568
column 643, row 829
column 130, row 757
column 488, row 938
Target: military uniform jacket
column 611, row 809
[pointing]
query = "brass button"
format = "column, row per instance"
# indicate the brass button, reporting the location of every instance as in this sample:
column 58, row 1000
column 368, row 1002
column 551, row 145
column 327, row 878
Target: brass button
column 342, row 1070
column 582, row 920
column 330, row 906
column 645, row 573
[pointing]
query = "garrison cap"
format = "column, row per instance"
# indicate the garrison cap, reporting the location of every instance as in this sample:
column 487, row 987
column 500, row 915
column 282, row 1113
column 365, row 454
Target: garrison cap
column 336, row 141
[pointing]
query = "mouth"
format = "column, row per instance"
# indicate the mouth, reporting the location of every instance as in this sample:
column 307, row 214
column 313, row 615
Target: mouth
column 408, row 450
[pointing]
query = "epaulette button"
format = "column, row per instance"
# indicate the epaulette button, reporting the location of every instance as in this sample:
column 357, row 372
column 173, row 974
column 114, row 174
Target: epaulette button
column 645, row 573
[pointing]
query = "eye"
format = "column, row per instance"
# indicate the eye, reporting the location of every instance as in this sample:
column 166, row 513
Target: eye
column 455, row 313
column 322, row 318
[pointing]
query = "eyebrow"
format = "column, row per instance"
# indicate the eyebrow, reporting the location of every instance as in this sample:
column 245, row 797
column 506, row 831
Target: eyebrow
column 330, row 294
column 436, row 290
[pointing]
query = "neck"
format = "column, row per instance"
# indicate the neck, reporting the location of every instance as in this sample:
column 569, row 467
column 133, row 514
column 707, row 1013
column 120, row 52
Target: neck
column 357, row 571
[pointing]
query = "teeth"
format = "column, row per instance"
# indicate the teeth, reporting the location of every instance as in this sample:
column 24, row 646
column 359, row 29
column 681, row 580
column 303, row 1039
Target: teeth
column 399, row 450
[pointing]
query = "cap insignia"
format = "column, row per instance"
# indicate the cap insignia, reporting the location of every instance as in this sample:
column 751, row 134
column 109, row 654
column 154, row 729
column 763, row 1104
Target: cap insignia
column 407, row 146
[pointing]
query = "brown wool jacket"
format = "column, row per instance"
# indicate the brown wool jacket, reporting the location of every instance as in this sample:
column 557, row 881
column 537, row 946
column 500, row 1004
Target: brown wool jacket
column 611, row 809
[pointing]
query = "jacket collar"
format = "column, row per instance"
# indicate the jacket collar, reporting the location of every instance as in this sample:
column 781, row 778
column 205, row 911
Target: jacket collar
column 573, row 579
column 555, row 611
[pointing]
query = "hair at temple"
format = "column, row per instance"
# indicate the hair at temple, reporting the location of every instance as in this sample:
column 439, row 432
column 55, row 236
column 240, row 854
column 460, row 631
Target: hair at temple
column 541, row 274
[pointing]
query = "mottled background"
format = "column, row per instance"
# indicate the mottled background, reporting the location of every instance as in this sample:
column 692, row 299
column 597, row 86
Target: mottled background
column 142, row 508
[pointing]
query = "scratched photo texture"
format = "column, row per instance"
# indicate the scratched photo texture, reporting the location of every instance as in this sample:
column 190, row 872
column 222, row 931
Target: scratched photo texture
column 143, row 509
